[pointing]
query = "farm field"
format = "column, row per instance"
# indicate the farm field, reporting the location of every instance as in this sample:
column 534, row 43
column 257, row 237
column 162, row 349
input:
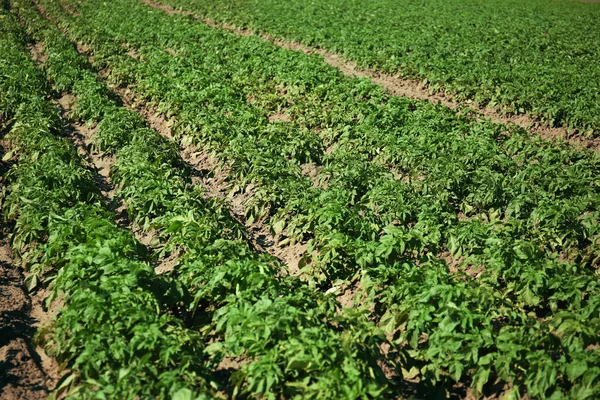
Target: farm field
column 194, row 212
column 536, row 56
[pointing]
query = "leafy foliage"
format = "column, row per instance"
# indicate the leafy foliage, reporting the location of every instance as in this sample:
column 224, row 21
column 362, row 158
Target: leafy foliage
column 114, row 331
column 534, row 57
column 475, row 245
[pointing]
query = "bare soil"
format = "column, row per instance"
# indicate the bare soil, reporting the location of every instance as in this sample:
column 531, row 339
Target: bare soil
column 166, row 8
column 458, row 265
column 38, row 54
column 168, row 263
column 347, row 295
column 26, row 372
column 399, row 85
column 312, row 171
column 279, row 117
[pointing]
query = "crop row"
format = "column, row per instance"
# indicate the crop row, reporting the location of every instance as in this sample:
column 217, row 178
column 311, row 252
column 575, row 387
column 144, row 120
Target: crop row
column 295, row 341
column 551, row 232
column 462, row 328
column 535, row 57
column 475, row 171
column 114, row 327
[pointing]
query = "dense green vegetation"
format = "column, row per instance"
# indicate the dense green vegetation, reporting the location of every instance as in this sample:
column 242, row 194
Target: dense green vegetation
column 533, row 56
column 229, row 286
column 474, row 246
column 114, row 329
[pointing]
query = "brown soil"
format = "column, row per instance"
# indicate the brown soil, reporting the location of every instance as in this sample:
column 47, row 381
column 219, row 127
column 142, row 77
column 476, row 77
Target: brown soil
column 66, row 102
column 38, row 54
column 168, row 263
column 82, row 47
column 291, row 255
column 347, row 295
column 166, row 8
column 228, row 363
column 133, row 53
column 458, row 266
column 312, row 171
column 398, row 85
column 387, row 369
column 26, row 372
column 279, row 117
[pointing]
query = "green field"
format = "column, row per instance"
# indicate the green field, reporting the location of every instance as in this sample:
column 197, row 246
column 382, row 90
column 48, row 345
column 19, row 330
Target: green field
column 270, row 228
column 535, row 56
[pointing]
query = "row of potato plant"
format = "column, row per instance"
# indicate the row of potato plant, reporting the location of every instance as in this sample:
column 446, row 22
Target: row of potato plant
column 296, row 342
column 534, row 57
column 349, row 236
column 514, row 258
column 115, row 333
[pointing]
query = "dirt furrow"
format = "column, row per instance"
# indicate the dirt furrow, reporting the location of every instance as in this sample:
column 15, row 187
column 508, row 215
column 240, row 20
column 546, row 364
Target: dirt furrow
column 99, row 164
column 26, row 372
column 212, row 176
column 402, row 86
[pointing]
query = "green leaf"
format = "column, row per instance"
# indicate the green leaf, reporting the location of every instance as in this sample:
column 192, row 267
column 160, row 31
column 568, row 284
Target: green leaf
column 411, row 374
column 576, row 369
column 278, row 226
column 123, row 372
column 183, row 394
column 214, row 348
column 388, row 321
column 296, row 363
column 7, row 156
column 480, row 378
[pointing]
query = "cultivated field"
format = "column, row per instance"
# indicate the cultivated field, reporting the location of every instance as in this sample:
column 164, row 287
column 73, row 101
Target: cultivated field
column 324, row 200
